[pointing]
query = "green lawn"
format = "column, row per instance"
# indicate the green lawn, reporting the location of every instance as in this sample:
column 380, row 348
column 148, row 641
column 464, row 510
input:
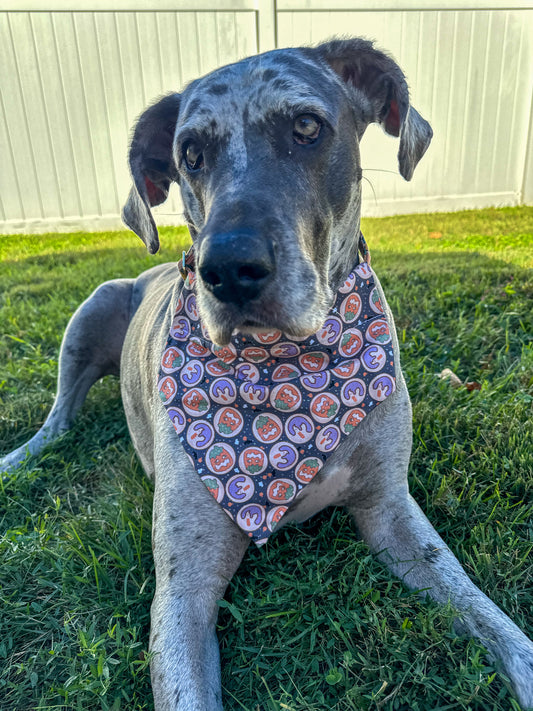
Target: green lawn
column 312, row 621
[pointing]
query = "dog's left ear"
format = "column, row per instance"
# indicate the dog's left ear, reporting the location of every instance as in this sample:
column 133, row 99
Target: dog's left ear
column 152, row 167
column 382, row 81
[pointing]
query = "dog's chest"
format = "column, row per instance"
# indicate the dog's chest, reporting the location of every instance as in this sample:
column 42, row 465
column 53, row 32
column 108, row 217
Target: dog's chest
column 260, row 417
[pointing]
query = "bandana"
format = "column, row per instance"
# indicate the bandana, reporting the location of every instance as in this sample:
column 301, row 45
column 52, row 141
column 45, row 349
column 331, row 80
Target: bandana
column 259, row 417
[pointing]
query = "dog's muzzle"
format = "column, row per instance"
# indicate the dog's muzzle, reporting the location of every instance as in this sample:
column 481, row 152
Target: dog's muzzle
column 236, row 266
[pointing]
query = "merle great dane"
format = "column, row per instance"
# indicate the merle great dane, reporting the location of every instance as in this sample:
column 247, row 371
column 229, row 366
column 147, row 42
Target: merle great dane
column 266, row 154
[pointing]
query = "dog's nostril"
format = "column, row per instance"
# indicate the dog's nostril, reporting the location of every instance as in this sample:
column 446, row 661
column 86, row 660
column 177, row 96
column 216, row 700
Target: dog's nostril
column 211, row 277
column 251, row 273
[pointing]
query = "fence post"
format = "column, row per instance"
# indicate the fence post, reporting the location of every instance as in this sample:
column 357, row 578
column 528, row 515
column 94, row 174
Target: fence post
column 527, row 180
column 267, row 25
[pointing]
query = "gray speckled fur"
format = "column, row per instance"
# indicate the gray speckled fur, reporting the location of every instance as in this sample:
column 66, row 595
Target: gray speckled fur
column 312, row 210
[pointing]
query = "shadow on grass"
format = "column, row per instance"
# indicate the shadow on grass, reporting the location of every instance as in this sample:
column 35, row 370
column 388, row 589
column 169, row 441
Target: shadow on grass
column 434, row 262
column 106, row 258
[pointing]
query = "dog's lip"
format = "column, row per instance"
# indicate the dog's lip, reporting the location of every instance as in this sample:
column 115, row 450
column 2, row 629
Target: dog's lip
column 254, row 323
column 260, row 318
column 256, row 327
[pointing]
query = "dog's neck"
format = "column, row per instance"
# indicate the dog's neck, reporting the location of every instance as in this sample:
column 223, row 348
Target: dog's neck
column 344, row 255
column 345, row 243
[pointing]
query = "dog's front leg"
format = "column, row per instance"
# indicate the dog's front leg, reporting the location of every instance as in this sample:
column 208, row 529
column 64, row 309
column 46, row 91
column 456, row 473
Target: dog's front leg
column 401, row 534
column 197, row 549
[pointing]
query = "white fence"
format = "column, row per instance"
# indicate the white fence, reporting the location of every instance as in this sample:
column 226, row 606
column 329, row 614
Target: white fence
column 73, row 81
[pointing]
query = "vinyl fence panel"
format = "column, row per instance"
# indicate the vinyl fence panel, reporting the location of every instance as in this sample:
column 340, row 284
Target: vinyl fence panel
column 73, row 84
column 73, row 81
column 470, row 74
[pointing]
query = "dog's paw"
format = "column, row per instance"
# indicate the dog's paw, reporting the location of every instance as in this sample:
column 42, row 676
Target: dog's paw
column 519, row 668
column 10, row 462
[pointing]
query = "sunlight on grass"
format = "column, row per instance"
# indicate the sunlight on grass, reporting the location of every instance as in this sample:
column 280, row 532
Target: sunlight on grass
column 504, row 234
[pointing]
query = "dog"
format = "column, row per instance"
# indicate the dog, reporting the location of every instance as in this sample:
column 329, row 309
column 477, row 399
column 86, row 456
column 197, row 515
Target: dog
column 266, row 155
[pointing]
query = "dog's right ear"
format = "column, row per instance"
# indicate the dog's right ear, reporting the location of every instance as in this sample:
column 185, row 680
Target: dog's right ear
column 152, row 167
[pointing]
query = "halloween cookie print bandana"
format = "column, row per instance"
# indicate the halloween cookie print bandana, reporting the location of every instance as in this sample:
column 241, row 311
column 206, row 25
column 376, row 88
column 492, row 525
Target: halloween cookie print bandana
column 260, row 416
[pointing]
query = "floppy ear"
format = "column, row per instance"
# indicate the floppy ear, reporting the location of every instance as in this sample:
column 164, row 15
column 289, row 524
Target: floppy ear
column 382, row 81
column 152, row 167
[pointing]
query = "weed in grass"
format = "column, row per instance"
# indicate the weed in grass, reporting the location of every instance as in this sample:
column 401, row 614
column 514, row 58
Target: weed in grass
column 312, row 621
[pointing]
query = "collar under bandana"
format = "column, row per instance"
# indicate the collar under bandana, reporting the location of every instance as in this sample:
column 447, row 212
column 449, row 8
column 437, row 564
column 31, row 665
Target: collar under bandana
column 259, row 417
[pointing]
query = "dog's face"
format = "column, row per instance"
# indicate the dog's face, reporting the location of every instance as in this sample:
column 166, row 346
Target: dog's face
column 266, row 153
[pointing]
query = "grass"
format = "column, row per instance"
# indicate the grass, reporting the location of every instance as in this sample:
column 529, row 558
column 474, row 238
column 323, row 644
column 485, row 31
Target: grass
column 312, row 621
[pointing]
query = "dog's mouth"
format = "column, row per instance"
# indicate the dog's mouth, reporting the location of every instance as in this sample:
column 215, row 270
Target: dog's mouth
column 255, row 327
column 222, row 330
column 252, row 324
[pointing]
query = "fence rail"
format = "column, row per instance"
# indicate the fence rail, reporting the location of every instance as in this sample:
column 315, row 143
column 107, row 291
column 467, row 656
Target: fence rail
column 73, row 81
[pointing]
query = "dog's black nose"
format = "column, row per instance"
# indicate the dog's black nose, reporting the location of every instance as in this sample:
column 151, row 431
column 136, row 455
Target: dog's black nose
column 236, row 266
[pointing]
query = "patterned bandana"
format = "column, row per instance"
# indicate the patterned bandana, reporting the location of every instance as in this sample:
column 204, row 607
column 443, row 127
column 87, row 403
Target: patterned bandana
column 259, row 417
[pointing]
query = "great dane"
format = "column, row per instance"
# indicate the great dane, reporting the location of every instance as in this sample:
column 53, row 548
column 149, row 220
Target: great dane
column 266, row 154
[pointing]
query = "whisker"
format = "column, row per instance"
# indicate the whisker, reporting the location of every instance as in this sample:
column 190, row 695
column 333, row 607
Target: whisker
column 380, row 170
column 374, row 192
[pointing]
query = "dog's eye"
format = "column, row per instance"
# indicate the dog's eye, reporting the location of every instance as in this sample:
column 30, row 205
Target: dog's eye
column 192, row 153
column 306, row 128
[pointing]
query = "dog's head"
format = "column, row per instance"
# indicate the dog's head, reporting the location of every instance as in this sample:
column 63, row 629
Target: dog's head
column 266, row 153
